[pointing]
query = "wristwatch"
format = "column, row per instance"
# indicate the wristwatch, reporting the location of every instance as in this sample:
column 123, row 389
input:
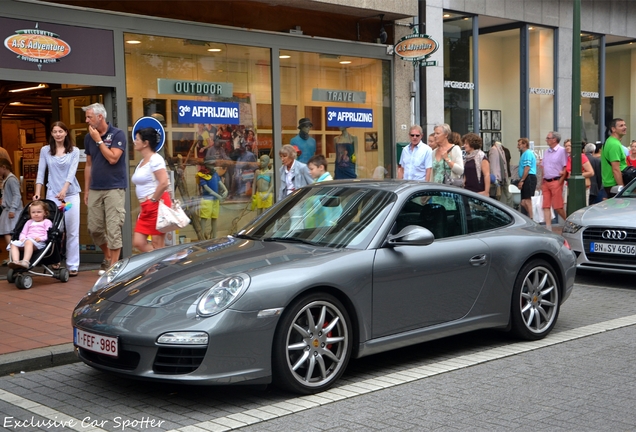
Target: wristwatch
column 153, row 199
column 99, row 142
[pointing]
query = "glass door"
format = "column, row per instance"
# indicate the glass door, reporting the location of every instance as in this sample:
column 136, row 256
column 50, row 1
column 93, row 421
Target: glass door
column 67, row 106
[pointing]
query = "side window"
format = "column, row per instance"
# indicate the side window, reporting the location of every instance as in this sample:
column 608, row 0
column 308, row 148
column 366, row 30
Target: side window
column 434, row 210
column 481, row 216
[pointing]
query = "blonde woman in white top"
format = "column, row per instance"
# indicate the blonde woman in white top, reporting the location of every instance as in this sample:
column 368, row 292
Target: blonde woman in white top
column 447, row 157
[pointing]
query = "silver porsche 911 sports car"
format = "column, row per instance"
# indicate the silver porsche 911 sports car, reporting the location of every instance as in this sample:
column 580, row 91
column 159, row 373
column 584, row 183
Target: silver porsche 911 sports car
column 336, row 270
column 603, row 235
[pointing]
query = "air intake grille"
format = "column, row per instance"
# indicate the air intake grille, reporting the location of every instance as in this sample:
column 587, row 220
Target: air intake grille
column 177, row 361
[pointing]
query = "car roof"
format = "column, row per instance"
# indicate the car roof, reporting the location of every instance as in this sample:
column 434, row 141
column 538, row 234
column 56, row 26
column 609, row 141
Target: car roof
column 390, row 185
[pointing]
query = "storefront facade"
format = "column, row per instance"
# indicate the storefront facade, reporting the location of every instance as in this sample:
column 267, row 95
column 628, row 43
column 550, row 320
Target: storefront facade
column 227, row 98
column 506, row 69
column 503, row 69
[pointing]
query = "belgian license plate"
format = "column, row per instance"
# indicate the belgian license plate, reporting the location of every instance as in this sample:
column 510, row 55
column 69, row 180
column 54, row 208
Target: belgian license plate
column 611, row 248
column 96, row 343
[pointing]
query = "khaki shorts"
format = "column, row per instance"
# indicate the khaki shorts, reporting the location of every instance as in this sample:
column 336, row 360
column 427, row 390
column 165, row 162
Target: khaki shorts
column 106, row 215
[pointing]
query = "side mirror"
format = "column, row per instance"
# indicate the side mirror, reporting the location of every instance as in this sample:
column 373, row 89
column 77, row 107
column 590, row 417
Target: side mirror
column 412, row 235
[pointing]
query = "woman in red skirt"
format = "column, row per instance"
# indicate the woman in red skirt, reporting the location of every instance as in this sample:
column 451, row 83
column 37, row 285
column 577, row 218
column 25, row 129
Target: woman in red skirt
column 151, row 181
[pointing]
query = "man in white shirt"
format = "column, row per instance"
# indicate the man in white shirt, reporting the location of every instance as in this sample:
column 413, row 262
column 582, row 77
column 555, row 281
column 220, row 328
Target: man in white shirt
column 417, row 159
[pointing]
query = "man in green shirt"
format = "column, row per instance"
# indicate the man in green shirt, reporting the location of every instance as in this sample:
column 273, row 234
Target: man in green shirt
column 613, row 156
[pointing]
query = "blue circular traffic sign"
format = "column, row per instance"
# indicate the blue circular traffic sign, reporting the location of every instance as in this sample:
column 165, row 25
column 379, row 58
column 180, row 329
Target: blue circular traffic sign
column 151, row 122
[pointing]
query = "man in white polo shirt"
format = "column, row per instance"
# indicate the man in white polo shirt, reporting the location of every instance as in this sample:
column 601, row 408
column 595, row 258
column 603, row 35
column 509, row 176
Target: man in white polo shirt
column 417, row 159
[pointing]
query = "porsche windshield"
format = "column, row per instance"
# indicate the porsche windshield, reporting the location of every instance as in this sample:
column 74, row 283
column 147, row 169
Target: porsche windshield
column 330, row 216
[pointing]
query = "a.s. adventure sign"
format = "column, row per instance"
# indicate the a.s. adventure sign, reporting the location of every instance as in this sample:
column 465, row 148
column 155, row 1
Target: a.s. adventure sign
column 416, row 48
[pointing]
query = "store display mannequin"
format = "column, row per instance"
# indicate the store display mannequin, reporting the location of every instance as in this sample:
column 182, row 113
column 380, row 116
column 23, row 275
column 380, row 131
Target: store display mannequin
column 212, row 191
column 263, row 189
column 346, row 145
column 305, row 143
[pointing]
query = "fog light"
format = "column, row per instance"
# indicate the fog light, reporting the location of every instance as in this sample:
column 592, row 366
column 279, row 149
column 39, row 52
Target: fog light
column 184, row 338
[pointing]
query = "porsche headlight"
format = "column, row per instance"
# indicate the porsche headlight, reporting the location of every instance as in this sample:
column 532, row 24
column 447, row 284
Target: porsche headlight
column 570, row 227
column 110, row 275
column 183, row 338
column 222, row 295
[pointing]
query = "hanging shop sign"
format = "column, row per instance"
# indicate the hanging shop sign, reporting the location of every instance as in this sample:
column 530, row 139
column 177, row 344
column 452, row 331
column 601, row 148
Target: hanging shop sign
column 195, row 88
column 349, row 117
column 344, row 96
column 416, row 48
column 56, row 48
column 150, row 122
column 208, row 112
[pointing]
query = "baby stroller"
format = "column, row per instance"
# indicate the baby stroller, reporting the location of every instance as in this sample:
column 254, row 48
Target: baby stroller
column 48, row 256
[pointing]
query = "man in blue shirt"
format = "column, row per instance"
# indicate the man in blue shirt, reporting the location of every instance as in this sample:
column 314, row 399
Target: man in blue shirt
column 527, row 174
column 417, row 159
column 105, row 192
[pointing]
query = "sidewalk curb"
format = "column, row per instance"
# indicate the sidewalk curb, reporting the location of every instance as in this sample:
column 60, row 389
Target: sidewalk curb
column 36, row 359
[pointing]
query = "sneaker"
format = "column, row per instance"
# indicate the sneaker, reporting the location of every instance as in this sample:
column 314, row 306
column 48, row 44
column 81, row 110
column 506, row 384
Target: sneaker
column 102, row 268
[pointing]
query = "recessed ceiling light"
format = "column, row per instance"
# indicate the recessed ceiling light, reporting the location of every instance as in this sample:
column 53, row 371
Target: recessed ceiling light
column 284, row 56
column 345, row 62
column 214, row 49
column 133, row 42
column 446, row 15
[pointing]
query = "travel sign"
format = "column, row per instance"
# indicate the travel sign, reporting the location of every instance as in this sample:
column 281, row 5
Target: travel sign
column 416, row 48
column 208, row 112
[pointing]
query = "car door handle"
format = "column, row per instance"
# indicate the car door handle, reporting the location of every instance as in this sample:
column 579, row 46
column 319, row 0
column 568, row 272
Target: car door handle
column 478, row 260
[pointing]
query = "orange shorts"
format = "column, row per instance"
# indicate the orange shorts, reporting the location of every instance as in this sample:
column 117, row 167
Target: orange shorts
column 552, row 194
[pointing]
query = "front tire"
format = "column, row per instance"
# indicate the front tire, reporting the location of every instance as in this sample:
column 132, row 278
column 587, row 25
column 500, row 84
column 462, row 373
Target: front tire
column 312, row 344
column 535, row 301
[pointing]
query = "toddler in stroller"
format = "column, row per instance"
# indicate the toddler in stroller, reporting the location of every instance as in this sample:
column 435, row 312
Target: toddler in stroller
column 37, row 236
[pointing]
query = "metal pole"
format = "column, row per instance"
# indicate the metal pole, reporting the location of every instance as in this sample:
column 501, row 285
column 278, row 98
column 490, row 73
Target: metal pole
column 576, row 182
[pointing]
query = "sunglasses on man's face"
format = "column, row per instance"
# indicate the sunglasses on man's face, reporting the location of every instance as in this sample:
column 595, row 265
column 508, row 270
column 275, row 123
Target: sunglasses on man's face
column 415, row 135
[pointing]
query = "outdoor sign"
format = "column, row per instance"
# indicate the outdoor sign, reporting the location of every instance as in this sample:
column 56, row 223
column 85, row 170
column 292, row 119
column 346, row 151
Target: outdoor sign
column 198, row 88
column 208, row 112
column 416, row 48
column 344, row 96
column 349, row 117
column 152, row 122
column 28, row 45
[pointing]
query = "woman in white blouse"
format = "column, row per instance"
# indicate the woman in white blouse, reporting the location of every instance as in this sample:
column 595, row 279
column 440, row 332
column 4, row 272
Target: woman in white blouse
column 61, row 158
column 151, row 185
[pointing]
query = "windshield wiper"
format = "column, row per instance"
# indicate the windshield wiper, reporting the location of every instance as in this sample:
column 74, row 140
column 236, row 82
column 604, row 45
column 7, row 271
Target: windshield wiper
column 290, row 240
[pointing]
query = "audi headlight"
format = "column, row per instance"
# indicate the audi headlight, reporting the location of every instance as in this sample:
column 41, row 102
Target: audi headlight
column 570, row 227
column 222, row 295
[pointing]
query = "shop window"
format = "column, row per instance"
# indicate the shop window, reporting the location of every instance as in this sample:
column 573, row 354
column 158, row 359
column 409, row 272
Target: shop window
column 164, row 76
column 541, row 80
column 458, row 72
column 591, row 124
column 334, row 95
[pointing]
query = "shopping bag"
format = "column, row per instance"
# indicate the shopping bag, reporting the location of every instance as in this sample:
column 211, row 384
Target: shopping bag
column 171, row 218
column 537, row 209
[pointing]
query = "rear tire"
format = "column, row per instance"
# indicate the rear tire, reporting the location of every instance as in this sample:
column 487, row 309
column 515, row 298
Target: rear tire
column 63, row 275
column 535, row 301
column 27, row 281
column 11, row 276
column 312, row 344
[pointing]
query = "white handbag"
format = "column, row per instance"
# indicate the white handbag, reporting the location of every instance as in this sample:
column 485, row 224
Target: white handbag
column 171, row 218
